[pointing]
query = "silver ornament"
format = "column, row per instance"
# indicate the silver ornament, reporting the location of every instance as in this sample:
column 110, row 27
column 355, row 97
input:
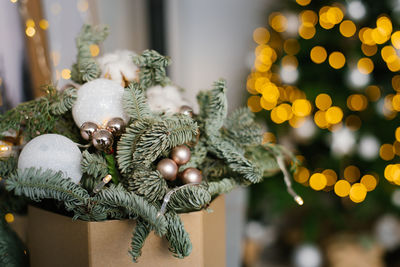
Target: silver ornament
column 168, row 169
column 186, row 110
column 180, row 154
column 191, row 175
column 103, row 140
column 116, row 126
column 88, row 129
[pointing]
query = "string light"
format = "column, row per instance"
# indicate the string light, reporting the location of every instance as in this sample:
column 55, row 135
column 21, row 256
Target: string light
column 9, row 217
column 358, row 192
column 323, row 101
column 318, row 54
column 337, row 60
column 347, row 28
column 318, row 181
column 342, row 188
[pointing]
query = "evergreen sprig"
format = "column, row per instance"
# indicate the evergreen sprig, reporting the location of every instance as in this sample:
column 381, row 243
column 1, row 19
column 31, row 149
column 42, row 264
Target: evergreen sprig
column 178, row 238
column 149, row 184
column 190, row 198
column 13, row 252
column 142, row 230
column 134, row 102
column 94, row 164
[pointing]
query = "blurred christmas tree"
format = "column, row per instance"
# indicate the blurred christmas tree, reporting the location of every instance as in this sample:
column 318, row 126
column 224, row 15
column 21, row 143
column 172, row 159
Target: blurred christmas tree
column 325, row 79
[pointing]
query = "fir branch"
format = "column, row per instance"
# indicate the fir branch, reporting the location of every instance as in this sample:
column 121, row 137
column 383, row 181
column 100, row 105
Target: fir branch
column 222, row 187
column 214, row 169
column 264, row 159
column 94, row 164
column 7, row 166
column 63, row 101
column 86, row 68
column 134, row 205
column 149, row 184
column 234, row 157
column 239, row 119
column 152, row 67
column 142, row 230
column 190, row 198
column 178, row 238
column 13, row 253
column 181, row 129
column 134, row 102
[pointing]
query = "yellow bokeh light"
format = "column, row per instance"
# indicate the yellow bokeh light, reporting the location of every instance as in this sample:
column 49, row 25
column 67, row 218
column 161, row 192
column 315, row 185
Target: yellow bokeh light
column 320, row 119
column 250, row 86
column 254, row 103
column 396, row 102
column 270, row 92
column 301, row 175
column 334, row 115
column 357, row 102
column 385, row 26
column 397, row 134
column 331, row 177
column 365, row 35
column 365, row 65
column 268, row 137
column 396, row 39
column 318, row 181
column 358, row 192
column 353, row 122
column 347, row 28
column 261, row 35
column 388, row 53
column 267, row 105
column 66, row 74
column 307, row 31
column 278, row 22
column 43, row 24
column 396, row 148
column 337, row 60
column 323, row 101
column 369, row 181
column 378, row 36
column 283, row 112
column 309, row 16
column 94, row 50
column 296, row 122
column 386, row 152
column 9, row 218
column 393, row 63
column 351, row 173
column 318, row 54
column 303, row 2
column 301, row 107
column 13, row 1
column 342, row 188
column 291, row 46
column 369, row 50
column 373, row 92
column 396, row 83
column 275, row 117
column 290, row 61
column 334, row 15
column 30, row 31
column 30, row 23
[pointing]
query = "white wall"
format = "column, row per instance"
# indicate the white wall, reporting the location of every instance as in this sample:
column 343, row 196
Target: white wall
column 207, row 40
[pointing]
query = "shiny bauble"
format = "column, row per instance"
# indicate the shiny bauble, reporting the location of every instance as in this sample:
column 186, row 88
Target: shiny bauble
column 191, row 175
column 116, row 126
column 98, row 101
column 103, row 140
column 186, row 110
column 180, row 154
column 54, row 152
column 87, row 130
column 168, row 169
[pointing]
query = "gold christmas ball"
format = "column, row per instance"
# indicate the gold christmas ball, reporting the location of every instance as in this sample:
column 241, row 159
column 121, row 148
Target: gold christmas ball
column 168, row 169
column 116, row 126
column 186, row 110
column 191, row 175
column 87, row 130
column 180, row 154
column 103, row 140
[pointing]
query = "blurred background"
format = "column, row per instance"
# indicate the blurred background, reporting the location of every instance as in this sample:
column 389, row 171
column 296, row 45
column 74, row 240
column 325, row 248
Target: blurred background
column 321, row 76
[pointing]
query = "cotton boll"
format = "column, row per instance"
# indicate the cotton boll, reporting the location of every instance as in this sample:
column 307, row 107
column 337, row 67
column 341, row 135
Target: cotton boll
column 165, row 99
column 54, row 152
column 119, row 66
column 99, row 101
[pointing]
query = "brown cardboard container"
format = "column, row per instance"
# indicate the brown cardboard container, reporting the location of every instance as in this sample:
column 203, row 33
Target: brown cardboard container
column 20, row 225
column 56, row 241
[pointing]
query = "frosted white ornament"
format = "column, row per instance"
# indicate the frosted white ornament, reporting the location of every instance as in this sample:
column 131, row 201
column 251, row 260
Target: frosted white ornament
column 55, row 152
column 99, row 101
column 118, row 66
column 165, row 99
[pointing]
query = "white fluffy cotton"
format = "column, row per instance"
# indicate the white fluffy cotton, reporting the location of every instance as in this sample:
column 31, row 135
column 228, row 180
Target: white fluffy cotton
column 165, row 99
column 118, row 66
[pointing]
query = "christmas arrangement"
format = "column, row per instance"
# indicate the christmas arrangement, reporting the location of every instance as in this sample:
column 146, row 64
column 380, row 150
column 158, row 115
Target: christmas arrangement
column 121, row 143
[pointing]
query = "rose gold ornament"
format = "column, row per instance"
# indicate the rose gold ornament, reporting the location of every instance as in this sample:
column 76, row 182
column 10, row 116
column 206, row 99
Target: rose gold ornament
column 180, row 154
column 88, row 129
column 103, row 140
column 116, row 126
column 168, row 169
column 186, row 110
column 191, row 175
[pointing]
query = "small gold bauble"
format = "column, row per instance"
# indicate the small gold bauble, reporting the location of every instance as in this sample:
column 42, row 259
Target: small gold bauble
column 103, row 140
column 186, row 110
column 191, row 175
column 116, row 126
column 87, row 130
column 168, row 169
column 180, row 154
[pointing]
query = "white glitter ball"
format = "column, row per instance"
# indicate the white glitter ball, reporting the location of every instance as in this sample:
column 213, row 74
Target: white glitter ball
column 55, row 152
column 98, row 101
